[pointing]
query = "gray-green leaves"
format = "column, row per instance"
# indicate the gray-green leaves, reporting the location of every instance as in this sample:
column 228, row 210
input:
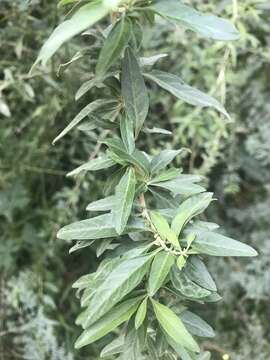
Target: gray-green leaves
column 160, row 268
column 123, row 279
column 95, row 228
column 174, row 327
column 107, row 323
column 113, row 46
column 87, row 110
column 190, row 208
column 124, row 196
column 86, row 16
column 208, row 26
column 190, row 95
column 215, row 244
column 134, row 91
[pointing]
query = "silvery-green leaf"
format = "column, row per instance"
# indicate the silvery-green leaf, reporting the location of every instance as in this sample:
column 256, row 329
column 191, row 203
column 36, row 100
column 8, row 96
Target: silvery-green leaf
column 113, row 348
column 120, row 282
column 100, row 163
column 105, row 204
column 113, row 46
column 196, row 325
column 209, row 26
column 215, row 244
column 134, row 91
column 164, row 158
column 85, row 17
column 123, row 200
column 151, row 60
column 197, row 272
column 160, row 268
column 190, row 95
column 107, row 323
column 191, row 207
column 182, row 185
column 141, row 313
column 88, row 109
column 174, row 327
column 127, row 133
column 185, row 286
column 96, row 228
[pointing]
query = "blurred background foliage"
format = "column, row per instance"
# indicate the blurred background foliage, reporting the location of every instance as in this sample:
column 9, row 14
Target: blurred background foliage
column 37, row 304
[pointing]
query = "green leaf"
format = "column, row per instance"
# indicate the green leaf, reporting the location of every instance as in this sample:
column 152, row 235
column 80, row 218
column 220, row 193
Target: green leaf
column 141, row 313
column 191, row 207
column 151, row 60
column 127, row 134
column 182, row 185
column 209, row 26
column 163, row 159
column 180, row 350
column 85, row 17
column 163, row 229
column 103, row 162
column 181, row 262
column 107, row 323
column 174, row 327
column 197, row 272
column 196, row 325
column 113, row 46
column 120, row 282
column 215, row 244
column 160, row 268
column 185, row 286
column 88, row 109
column 113, row 348
column 124, row 196
column 190, row 95
column 134, row 91
column 137, row 158
column 96, row 228
column 166, row 175
column 89, row 84
column 105, row 204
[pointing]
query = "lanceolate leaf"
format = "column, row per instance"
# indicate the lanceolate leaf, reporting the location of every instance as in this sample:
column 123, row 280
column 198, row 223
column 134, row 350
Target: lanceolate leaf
column 185, row 286
column 113, row 348
column 123, row 279
column 178, row 88
column 134, row 91
column 215, row 244
column 103, row 162
column 160, row 268
column 113, row 46
column 164, row 158
column 107, row 323
column 87, row 110
column 98, row 227
column 88, row 85
column 163, row 229
column 174, row 327
column 191, row 207
column 105, row 204
column 182, row 185
column 196, row 325
column 197, row 272
column 141, row 313
column 85, row 17
column 124, row 196
column 209, row 26
column 127, row 133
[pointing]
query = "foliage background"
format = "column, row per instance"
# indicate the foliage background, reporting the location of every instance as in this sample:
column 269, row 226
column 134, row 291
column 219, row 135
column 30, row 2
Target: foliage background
column 38, row 306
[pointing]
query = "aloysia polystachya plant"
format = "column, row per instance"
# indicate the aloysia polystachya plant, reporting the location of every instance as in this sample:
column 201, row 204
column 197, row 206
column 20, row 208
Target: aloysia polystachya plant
column 155, row 244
